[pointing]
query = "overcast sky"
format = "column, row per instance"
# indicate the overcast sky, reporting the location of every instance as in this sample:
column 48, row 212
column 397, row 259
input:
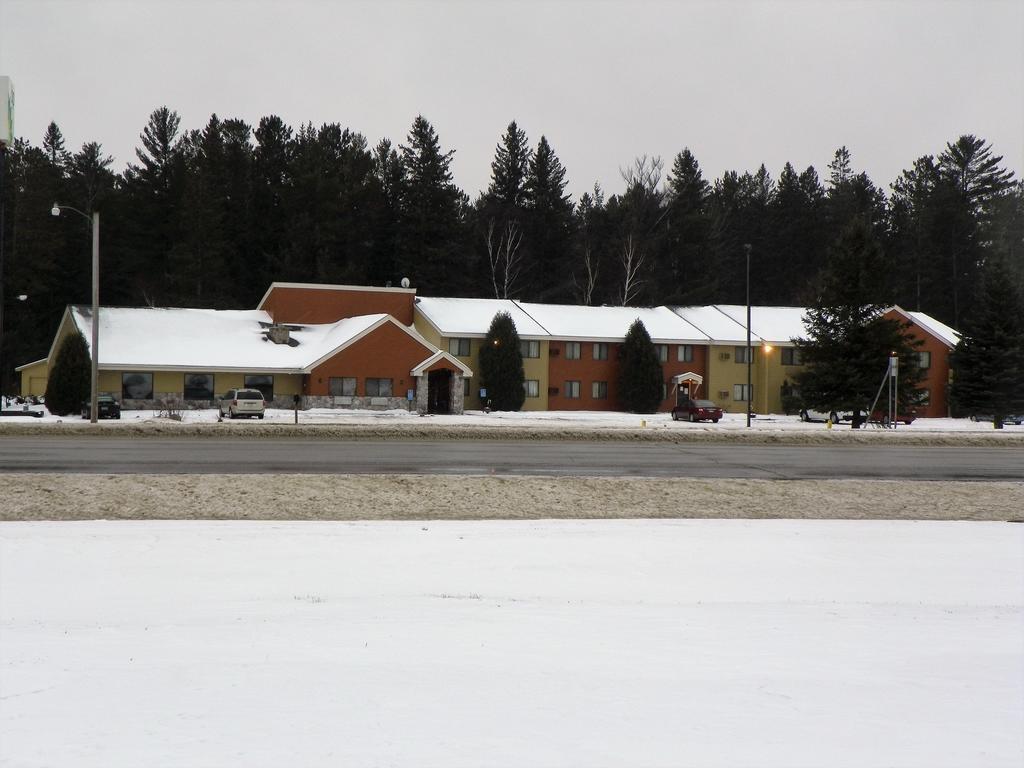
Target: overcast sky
column 739, row 83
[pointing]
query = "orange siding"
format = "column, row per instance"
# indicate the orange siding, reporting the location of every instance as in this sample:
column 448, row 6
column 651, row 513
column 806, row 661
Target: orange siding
column 328, row 305
column 385, row 353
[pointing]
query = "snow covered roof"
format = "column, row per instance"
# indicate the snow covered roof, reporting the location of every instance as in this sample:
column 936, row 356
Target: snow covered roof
column 779, row 325
column 938, row 330
column 472, row 317
column 566, row 321
column 719, row 327
column 209, row 339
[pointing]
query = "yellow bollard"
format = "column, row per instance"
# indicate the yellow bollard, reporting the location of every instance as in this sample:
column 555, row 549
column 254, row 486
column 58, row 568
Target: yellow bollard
column 643, row 423
column 828, row 423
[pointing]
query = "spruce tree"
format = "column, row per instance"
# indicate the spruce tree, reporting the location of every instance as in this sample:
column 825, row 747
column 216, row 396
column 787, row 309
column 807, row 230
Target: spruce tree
column 501, row 365
column 549, row 219
column 848, row 340
column 68, row 383
column 640, row 373
column 509, row 169
column 988, row 362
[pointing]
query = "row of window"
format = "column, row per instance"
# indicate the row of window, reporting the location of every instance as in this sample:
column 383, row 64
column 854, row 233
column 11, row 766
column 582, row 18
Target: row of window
column 573, row 350
column 345, row 386
column 197, row 386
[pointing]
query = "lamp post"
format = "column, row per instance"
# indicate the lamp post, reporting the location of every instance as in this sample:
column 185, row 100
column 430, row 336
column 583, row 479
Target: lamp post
column 747, row 248
column 94, row 370
column 765, row 351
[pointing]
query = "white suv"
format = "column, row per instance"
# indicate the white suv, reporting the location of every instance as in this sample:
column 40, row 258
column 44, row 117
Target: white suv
column 241, row 402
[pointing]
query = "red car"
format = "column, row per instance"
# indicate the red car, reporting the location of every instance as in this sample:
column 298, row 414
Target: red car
column 697, row 410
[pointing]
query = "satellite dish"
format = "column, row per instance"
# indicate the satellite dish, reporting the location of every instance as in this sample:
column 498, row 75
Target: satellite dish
column 405, row 282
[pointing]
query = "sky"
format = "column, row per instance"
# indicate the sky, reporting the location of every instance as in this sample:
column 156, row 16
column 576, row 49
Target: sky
column 740, row 83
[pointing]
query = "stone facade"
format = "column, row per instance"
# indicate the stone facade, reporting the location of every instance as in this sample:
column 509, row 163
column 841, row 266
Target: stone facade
column 354, row 403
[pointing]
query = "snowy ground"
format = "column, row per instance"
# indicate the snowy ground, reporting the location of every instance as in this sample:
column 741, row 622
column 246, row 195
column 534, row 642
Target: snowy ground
column 539, row 421
column 570, row 643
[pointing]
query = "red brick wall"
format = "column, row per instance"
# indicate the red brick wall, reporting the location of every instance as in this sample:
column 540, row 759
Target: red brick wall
column 936, row 378
column 328, row 305
column 587, row 370
column 385, row 353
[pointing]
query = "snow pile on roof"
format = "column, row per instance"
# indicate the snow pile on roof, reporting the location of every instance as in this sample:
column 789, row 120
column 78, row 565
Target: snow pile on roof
column 566, row 321
column 210, row 339
column 472, row 317
column 716, row 325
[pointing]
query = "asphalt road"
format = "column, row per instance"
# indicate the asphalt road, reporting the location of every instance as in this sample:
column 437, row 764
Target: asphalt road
column 592, row 459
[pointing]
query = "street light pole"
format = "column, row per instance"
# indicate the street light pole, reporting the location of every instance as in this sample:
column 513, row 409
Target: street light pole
column 747, row 248
column 95, row 362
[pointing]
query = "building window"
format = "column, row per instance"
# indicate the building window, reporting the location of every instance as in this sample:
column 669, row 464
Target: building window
column 458, row 347
column 465, row 387
column 529, row 348
column 743, row 354
column 532, row 387
column 599, row 390
column 378, row 387
column 198, row 386
column 572, row 350
column 341, row 386
column 924, row 360
column 662, row 352
column 572, row 390
column 136, row 386
column 740, row 392
column 924, row 397
column 684, row 353
column 600, row 351
column 264, row 384
column 791, row 356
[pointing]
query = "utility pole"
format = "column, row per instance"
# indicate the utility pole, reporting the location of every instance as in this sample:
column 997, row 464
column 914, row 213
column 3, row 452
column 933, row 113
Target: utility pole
column 747, row 248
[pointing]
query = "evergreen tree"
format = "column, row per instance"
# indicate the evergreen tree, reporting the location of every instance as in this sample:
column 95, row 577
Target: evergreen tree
column 548, row 227
column 68, row 385
column 640, row 373
column 501, row 365
column 588, row 247
column 53, row 146
column 988, row 362
column 432, row 216
column 512, row 158
column 686, row 275
column 848, row 340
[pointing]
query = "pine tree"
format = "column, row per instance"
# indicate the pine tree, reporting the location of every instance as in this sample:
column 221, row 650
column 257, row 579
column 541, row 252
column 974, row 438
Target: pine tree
column 640, row 373
column 501, row 365
column 686, row 275
column 988, row 362
column 548, row 227
column 848, row 340
column 512, row 158
column 68, row 385
column 432, row 232
column 53, row 146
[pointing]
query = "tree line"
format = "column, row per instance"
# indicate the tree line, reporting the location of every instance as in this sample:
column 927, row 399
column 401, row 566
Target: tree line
column 208, row 218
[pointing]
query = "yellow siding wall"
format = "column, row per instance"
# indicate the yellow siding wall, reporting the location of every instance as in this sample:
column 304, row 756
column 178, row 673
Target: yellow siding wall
column 33, row 379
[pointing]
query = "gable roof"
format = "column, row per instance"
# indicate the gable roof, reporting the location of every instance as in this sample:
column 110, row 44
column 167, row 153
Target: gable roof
column 940, row 331
column 778, row 325
column 218, row 340
column 425, row 365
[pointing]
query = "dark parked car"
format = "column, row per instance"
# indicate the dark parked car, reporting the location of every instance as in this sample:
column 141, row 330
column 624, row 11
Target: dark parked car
column 697, row 410
column 106, row 408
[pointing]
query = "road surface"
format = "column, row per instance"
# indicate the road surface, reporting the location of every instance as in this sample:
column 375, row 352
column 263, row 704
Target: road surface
column 478, row 457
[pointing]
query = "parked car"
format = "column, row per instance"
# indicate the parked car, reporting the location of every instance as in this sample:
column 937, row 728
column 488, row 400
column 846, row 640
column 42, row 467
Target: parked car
column 904, row 417
column 242, row 402
column 697, row 410
column 809, row 414
column 106, row 408
column 1017, row 419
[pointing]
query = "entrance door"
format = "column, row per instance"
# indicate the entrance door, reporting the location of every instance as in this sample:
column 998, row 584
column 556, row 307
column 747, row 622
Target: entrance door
column 439, row 392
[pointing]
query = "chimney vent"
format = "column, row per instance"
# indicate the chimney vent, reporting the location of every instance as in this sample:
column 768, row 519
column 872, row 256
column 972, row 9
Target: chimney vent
column 278, row 334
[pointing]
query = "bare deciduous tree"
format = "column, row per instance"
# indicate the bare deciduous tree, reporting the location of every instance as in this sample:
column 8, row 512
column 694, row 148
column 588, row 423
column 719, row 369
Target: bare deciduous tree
column 591, row 267
column 505, row 259
column 632, row 260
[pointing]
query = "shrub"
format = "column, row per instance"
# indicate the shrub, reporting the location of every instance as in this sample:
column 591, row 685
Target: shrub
column 640, row 373
column 501, row 365
column 68, row 384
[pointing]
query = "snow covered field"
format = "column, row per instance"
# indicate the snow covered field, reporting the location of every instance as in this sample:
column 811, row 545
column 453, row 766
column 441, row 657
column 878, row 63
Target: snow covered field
column 531, row 643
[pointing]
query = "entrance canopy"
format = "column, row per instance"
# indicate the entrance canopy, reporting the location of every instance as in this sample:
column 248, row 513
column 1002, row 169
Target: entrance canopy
column 440, row 360
column 688, row 378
